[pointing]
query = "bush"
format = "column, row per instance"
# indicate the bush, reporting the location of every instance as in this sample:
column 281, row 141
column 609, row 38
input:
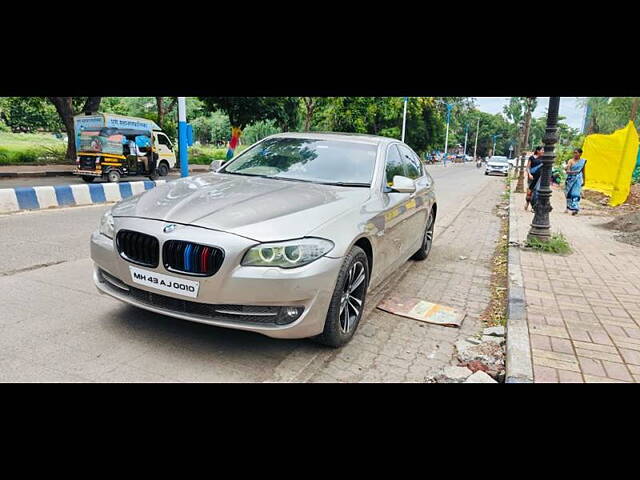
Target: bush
column 556, row 244
column 259, row 130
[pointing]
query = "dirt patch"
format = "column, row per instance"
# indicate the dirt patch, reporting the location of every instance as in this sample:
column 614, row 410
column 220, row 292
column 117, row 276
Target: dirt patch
column 628, row 222
column 632, row 203
column 629, row 238
column 496, row 311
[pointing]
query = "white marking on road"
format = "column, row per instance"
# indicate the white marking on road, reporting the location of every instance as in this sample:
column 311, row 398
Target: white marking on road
column 46, row 196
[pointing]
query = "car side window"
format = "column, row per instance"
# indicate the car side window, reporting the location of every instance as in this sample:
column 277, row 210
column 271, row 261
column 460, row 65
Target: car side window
column 413, row 164
column 394, row 164
column 162, row 139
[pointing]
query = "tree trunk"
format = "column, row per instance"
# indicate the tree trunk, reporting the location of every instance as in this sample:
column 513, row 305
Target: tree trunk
column 634, row 109
column 159, row 101
column 309, row 103
column 64, row 107
column 525, row 142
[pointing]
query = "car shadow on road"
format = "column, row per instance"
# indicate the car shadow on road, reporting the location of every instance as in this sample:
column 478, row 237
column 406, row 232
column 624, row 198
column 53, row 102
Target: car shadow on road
column 162, row 331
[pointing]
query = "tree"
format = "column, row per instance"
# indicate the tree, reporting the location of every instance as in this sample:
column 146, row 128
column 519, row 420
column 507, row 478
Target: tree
column 28, row 114
column 163, row 109
column 241, row 111
column 311, row 104
column 66, row 108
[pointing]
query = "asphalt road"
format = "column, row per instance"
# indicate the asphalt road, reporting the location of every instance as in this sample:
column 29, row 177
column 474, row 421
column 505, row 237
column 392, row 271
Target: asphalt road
column 56, row 327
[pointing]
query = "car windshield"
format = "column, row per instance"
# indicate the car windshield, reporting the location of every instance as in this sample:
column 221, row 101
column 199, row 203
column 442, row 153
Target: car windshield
column 308, row 160
column 500, row 160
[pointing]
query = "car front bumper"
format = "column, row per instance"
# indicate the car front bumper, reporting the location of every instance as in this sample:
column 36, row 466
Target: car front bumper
column 501, row 171
column 310, row 286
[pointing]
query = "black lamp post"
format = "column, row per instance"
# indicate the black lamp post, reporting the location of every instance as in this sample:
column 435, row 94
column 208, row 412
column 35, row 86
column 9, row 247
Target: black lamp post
column 540, row 227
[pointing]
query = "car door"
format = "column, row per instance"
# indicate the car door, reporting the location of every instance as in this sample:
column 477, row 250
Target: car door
column 165, row 149
column 396, row 234
column 418, row 205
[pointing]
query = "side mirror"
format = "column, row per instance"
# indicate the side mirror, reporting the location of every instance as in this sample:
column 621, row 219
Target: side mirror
column 403, row 185
column 215, row 165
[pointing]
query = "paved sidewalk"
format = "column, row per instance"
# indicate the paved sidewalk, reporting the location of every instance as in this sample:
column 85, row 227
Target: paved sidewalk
column 583, row 309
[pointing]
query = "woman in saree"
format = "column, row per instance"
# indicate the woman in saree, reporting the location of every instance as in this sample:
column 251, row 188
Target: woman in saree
column 575, row 181
column 534, row 169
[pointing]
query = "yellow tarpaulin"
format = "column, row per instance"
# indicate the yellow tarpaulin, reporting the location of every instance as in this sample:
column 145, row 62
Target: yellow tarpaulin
column 611, row 160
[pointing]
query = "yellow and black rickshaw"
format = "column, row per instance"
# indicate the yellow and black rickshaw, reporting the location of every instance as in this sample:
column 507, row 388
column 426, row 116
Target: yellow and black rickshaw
column 112, row 147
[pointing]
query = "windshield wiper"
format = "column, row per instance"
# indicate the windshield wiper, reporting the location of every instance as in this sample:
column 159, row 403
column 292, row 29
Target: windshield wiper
column 247, row 174
column 347, row 184
column 340, row 184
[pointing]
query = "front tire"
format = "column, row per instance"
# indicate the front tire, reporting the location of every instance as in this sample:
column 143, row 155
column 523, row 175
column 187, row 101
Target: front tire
column 348, row 300
column 163, row 169
column 113, row 176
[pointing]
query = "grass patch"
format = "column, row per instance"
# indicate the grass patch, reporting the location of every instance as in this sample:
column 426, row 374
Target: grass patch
column 31, row 149
column 204, row 155
column 556, row 244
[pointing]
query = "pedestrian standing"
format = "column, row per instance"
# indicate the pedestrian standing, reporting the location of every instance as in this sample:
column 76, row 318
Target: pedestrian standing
column 576, row 177
column 534, row 169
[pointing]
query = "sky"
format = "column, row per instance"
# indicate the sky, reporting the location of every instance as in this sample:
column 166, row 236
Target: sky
column 568, row 108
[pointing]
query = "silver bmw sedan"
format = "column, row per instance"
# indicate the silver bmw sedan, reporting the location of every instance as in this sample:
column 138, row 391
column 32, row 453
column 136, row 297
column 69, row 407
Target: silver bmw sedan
column 283, row 240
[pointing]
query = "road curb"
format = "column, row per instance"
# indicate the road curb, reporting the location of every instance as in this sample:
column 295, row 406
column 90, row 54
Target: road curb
column 56, row 196
column 519, row 366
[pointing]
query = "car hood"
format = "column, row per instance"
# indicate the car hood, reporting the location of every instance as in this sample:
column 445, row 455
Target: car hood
column 258, row 208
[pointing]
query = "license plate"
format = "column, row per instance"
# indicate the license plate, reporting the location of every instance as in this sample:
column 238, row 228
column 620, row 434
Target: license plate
column 167, row 283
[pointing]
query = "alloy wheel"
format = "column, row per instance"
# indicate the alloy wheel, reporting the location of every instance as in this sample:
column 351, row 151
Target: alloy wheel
column 351, row 302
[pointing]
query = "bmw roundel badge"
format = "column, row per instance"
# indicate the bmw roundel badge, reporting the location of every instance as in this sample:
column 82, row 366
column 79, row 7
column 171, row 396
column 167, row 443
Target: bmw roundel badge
column 170, row 228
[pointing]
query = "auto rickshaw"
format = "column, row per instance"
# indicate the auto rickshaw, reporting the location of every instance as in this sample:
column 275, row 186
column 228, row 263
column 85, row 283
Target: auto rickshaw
column 112, row 147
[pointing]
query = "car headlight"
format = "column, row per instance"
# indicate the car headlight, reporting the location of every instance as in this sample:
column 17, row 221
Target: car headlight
column 289, row 254
column 106, row 225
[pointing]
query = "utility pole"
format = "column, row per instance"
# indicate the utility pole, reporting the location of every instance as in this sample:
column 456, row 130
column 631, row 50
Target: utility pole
column 540, row 227
column 475, row 147
column 466, row 134
column 182, row 137
column 404, row 117
column 446, row 138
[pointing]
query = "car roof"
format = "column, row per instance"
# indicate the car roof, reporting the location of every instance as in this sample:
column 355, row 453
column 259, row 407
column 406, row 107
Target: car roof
column 338, row 136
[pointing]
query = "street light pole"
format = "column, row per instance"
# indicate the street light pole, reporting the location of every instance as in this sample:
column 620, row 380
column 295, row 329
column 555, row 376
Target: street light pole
column 540, row 227
column 466, row 134
column 475, row 147
column 446, row 138
column 404, row 117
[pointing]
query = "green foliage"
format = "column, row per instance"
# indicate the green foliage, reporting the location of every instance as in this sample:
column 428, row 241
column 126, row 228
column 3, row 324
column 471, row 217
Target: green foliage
column 26, row 148
column 556, row 244
column 259, row 130
column 29, row 114
column 245, row 110
column 213, row 128
column 608, row 114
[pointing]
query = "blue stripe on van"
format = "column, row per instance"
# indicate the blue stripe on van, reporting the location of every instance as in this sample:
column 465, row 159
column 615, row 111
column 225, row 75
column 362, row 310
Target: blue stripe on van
column 125, row 190
column 97, row 193
column 27, row 199
column 64, row 195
